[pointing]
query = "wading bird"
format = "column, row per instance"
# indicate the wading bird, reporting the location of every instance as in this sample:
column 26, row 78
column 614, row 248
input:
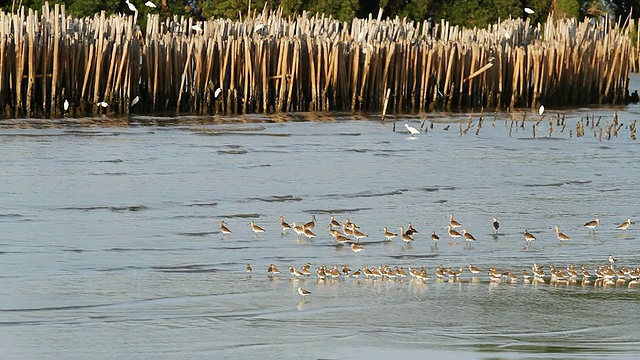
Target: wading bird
column 412, row 130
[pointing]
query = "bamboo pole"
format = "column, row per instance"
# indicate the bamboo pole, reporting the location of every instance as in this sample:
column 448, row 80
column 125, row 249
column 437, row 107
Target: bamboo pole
column 265, row 62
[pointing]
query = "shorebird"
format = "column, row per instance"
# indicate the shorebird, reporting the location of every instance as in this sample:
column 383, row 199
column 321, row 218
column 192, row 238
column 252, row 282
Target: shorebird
column 273, row 270
column 356, row 248
column 474, row 270
column 298, row 229
column 434, row 237
column 342, row 239
column 320, row 273
column 345, row 270
column 541, row 110
column 284, row 225
column 135, row 101
column 612, row 260
column 347, row 228
column 66, row 105
column 224, row 229
column 309, row 234
column 311, row 224
column 303, row 292
column 453, row 234
column 405, row 237
column 528, row 237
column 248, row 268
column 256, row 229
column 295, row 272
column 537, row 271
column 389, row 235
column 358, row 234
column 412, row 130
column 350, row 224
column 625, row 225
column 334, row 222
column 496, row 225
column 411, row 230
column 592, row 224
column 468, row 237
column 305, row 269
column 561, row 236
column 454, row 224
column 333, row 231
column 494, row 278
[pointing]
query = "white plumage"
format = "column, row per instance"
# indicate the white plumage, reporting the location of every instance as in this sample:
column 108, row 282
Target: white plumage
column 135, row 100
column 541, row 110
column 217, row 93
column 150, row 4
column 66, row 105
column 131, row 6
column 412, row 130
column 529, row 10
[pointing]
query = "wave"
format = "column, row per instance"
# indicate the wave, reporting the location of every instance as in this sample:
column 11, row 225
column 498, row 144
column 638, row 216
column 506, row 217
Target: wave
column 211, row 203
column 109, row 208
column 278, row 198
column 336, row 211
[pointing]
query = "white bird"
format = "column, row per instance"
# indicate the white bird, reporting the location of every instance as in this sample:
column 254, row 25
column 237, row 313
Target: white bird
column 217, row 93
column 135, row 100
column 196, row 28
column 303, row 292
column 259, row 26
column 412, row 130
column 529, row 10
column 103, row 104
column 66, row 105
column 541, row 110
column 150, row 4
column 131, row 6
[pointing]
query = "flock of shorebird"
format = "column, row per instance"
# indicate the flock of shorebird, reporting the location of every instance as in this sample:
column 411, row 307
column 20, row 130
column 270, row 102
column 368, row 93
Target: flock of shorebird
column 603, row 275
column 350, row 233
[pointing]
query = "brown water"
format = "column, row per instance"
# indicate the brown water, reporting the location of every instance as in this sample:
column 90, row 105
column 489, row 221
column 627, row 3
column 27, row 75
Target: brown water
column 110, row 243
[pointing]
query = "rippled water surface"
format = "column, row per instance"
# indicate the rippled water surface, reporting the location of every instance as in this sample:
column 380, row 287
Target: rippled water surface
column 110, row 242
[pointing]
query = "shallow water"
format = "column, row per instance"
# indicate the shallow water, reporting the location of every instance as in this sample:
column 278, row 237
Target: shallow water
column 110, row 243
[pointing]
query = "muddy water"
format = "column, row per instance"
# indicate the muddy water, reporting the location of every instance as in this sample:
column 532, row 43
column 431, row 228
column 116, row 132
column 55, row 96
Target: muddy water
column 110, row 243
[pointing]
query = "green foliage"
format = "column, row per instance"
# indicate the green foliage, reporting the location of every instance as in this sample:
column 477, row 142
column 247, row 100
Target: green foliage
column 86, row 8
column 229, row 9
column 596, row 8
column 343, row 10
column 469, row 13
column 479, row 13
column 541, row 8
column 566, row 8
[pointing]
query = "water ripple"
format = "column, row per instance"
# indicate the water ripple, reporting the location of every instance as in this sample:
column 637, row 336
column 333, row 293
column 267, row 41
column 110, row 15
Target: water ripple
column 109, row 208
column 277, row 198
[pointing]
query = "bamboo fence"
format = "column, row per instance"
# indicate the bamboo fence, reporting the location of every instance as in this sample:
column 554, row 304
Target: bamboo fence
column 270, row 63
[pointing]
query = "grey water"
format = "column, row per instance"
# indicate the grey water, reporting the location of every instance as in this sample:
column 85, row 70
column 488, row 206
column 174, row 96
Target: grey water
column 110, row 242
